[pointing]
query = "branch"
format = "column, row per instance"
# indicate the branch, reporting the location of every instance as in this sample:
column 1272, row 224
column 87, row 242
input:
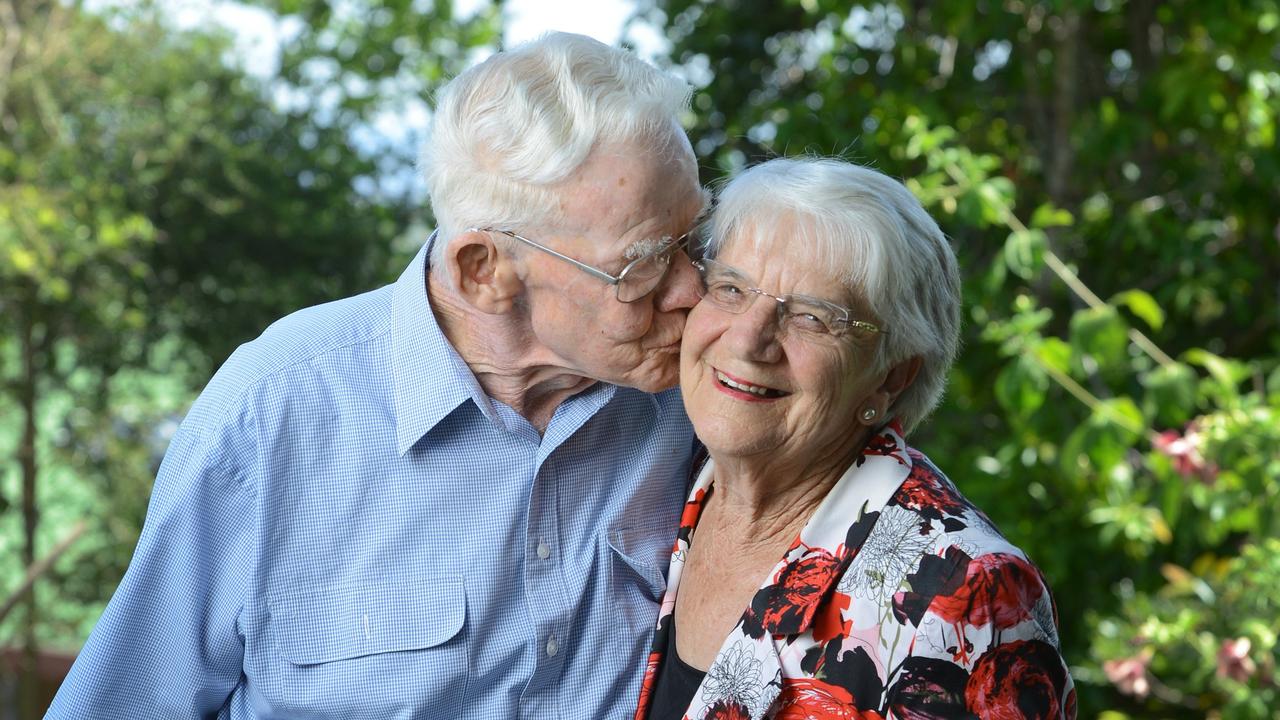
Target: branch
column 40, row 567
column 10, row 42
column 1080, row 393
column 1071, row 280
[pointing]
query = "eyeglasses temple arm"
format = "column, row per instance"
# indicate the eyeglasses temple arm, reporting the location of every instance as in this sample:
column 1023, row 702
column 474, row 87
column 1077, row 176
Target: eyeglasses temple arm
column 581, row 265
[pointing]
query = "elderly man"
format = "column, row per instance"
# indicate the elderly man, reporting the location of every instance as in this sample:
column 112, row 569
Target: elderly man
column 453, row 496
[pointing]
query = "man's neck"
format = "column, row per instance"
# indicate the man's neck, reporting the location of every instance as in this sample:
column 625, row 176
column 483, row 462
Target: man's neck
column 505, row 357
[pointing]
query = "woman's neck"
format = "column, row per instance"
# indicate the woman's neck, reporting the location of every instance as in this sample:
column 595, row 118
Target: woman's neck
column 771, row 493
column 760, row 510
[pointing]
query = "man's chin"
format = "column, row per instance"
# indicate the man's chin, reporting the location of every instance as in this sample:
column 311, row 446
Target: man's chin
column 656, row 387
column 655, row 380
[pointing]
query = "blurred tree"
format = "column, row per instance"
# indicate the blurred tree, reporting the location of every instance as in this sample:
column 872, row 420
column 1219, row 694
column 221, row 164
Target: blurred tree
column 159, row 206
column 1108, row 173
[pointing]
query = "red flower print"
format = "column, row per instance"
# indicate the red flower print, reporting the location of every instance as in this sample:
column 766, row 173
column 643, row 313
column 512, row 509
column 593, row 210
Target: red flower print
column 885, row 445
column 1021, row 680
column 924, row 492
column 829, row 622
column 853, row 670
column 693, row 510
column 937, row 576
column 998, row 588
column 788, row 605
column 727, row 710
column 813, row 699
column 928, row 689
column 646, row 685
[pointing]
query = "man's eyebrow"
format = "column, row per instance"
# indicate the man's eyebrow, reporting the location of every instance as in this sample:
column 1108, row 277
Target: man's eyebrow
column 640, row 248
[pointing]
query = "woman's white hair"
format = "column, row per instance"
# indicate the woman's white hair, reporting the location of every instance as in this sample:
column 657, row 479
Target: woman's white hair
column 507, row 131
column 870, row 232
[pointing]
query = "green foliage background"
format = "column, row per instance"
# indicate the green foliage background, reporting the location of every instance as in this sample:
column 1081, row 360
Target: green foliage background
column 1107, row 170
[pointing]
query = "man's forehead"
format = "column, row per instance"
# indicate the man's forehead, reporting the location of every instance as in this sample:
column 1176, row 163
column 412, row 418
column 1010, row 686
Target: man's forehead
column 665, row 210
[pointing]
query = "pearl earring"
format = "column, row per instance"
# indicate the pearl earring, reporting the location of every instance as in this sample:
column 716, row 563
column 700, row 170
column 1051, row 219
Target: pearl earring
column 869, row 414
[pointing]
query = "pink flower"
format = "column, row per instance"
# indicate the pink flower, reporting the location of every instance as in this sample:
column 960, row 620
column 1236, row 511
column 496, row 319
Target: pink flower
column 1234, row 661
column 1129, row 675
column 1184, row 450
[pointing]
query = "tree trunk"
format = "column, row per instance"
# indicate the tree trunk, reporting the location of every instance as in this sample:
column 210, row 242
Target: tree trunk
column 1066, row 36
column 29, row 690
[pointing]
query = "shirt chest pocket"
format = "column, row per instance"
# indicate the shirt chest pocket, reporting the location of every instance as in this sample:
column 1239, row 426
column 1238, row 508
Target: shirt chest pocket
column 637, row 558
column 373, row 650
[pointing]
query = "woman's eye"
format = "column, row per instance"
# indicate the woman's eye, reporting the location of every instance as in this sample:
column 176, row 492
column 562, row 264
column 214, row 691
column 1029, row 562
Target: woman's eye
column 808, row 322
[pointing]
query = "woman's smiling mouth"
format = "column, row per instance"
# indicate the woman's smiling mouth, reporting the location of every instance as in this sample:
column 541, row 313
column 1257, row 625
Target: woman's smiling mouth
column 759, row 391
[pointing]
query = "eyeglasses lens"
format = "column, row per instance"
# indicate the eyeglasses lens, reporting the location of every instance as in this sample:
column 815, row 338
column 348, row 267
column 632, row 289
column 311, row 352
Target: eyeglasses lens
column 645, row 274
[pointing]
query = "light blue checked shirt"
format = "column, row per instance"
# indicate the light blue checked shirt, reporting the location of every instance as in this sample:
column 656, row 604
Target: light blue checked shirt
column 346, row 526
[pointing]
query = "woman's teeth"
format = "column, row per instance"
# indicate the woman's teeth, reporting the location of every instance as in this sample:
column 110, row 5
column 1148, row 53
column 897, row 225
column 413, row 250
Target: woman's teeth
column 753, row 389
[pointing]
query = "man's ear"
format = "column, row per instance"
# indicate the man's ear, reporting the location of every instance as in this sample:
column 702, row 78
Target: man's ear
column 485, row 276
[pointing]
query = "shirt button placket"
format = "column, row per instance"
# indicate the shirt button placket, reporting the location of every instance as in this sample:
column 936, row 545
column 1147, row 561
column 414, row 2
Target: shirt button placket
column 545, row 598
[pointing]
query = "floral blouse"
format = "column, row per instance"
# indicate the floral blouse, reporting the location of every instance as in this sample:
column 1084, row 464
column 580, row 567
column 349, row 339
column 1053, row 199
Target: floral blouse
column 899, row 599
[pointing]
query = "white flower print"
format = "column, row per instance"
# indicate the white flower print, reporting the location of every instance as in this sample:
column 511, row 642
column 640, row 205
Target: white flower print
column 892, row 551
column 769, row 693
column 1046, row 629
column 734, row 676
column 939, row 635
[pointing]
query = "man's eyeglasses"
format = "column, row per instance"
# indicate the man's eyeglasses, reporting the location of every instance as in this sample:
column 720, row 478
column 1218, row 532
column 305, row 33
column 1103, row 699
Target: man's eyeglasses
column 730, row 290
column 639, row 278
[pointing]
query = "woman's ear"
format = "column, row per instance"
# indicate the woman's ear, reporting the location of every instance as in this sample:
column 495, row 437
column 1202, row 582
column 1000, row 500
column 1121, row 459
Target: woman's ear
column 485, row 276
column 900, row 377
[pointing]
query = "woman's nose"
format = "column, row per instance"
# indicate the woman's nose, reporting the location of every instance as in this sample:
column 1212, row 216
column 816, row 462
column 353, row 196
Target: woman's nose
column 756, row 331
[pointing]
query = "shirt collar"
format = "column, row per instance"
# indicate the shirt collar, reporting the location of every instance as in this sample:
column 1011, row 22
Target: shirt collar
column 429, row 378
column 865, row 488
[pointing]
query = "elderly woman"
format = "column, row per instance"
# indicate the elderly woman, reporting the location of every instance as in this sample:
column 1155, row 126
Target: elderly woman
column 824, row 568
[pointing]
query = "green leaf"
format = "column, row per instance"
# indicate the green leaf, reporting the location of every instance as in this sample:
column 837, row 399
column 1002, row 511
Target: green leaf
column 1102, row 442
column 996, row 196
column 1225, row 375
column 1141, row 303
column 1170, row 397
column 1171, row 497
column 22, row 260
column 1122, row 412
column 1021, row 386
column 1102, row 334
column 1054, row 353
column 1047, row 216
column 1024, row 252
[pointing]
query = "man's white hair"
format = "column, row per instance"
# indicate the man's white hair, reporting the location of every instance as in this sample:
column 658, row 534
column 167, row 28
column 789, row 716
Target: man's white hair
column 507, row 131
column 869, row 231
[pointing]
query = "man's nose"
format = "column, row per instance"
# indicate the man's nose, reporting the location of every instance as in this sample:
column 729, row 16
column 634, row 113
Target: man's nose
column 679, row 289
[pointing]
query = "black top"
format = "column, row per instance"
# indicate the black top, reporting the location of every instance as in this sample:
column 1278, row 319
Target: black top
column 676, row 683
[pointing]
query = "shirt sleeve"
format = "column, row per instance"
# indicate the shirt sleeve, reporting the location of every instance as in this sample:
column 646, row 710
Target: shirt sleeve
column 996, row 628
column 169, row 643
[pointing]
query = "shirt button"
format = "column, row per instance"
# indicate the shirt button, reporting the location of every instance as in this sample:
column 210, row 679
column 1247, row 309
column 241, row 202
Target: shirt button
column 552, row 647
column 544, row 550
